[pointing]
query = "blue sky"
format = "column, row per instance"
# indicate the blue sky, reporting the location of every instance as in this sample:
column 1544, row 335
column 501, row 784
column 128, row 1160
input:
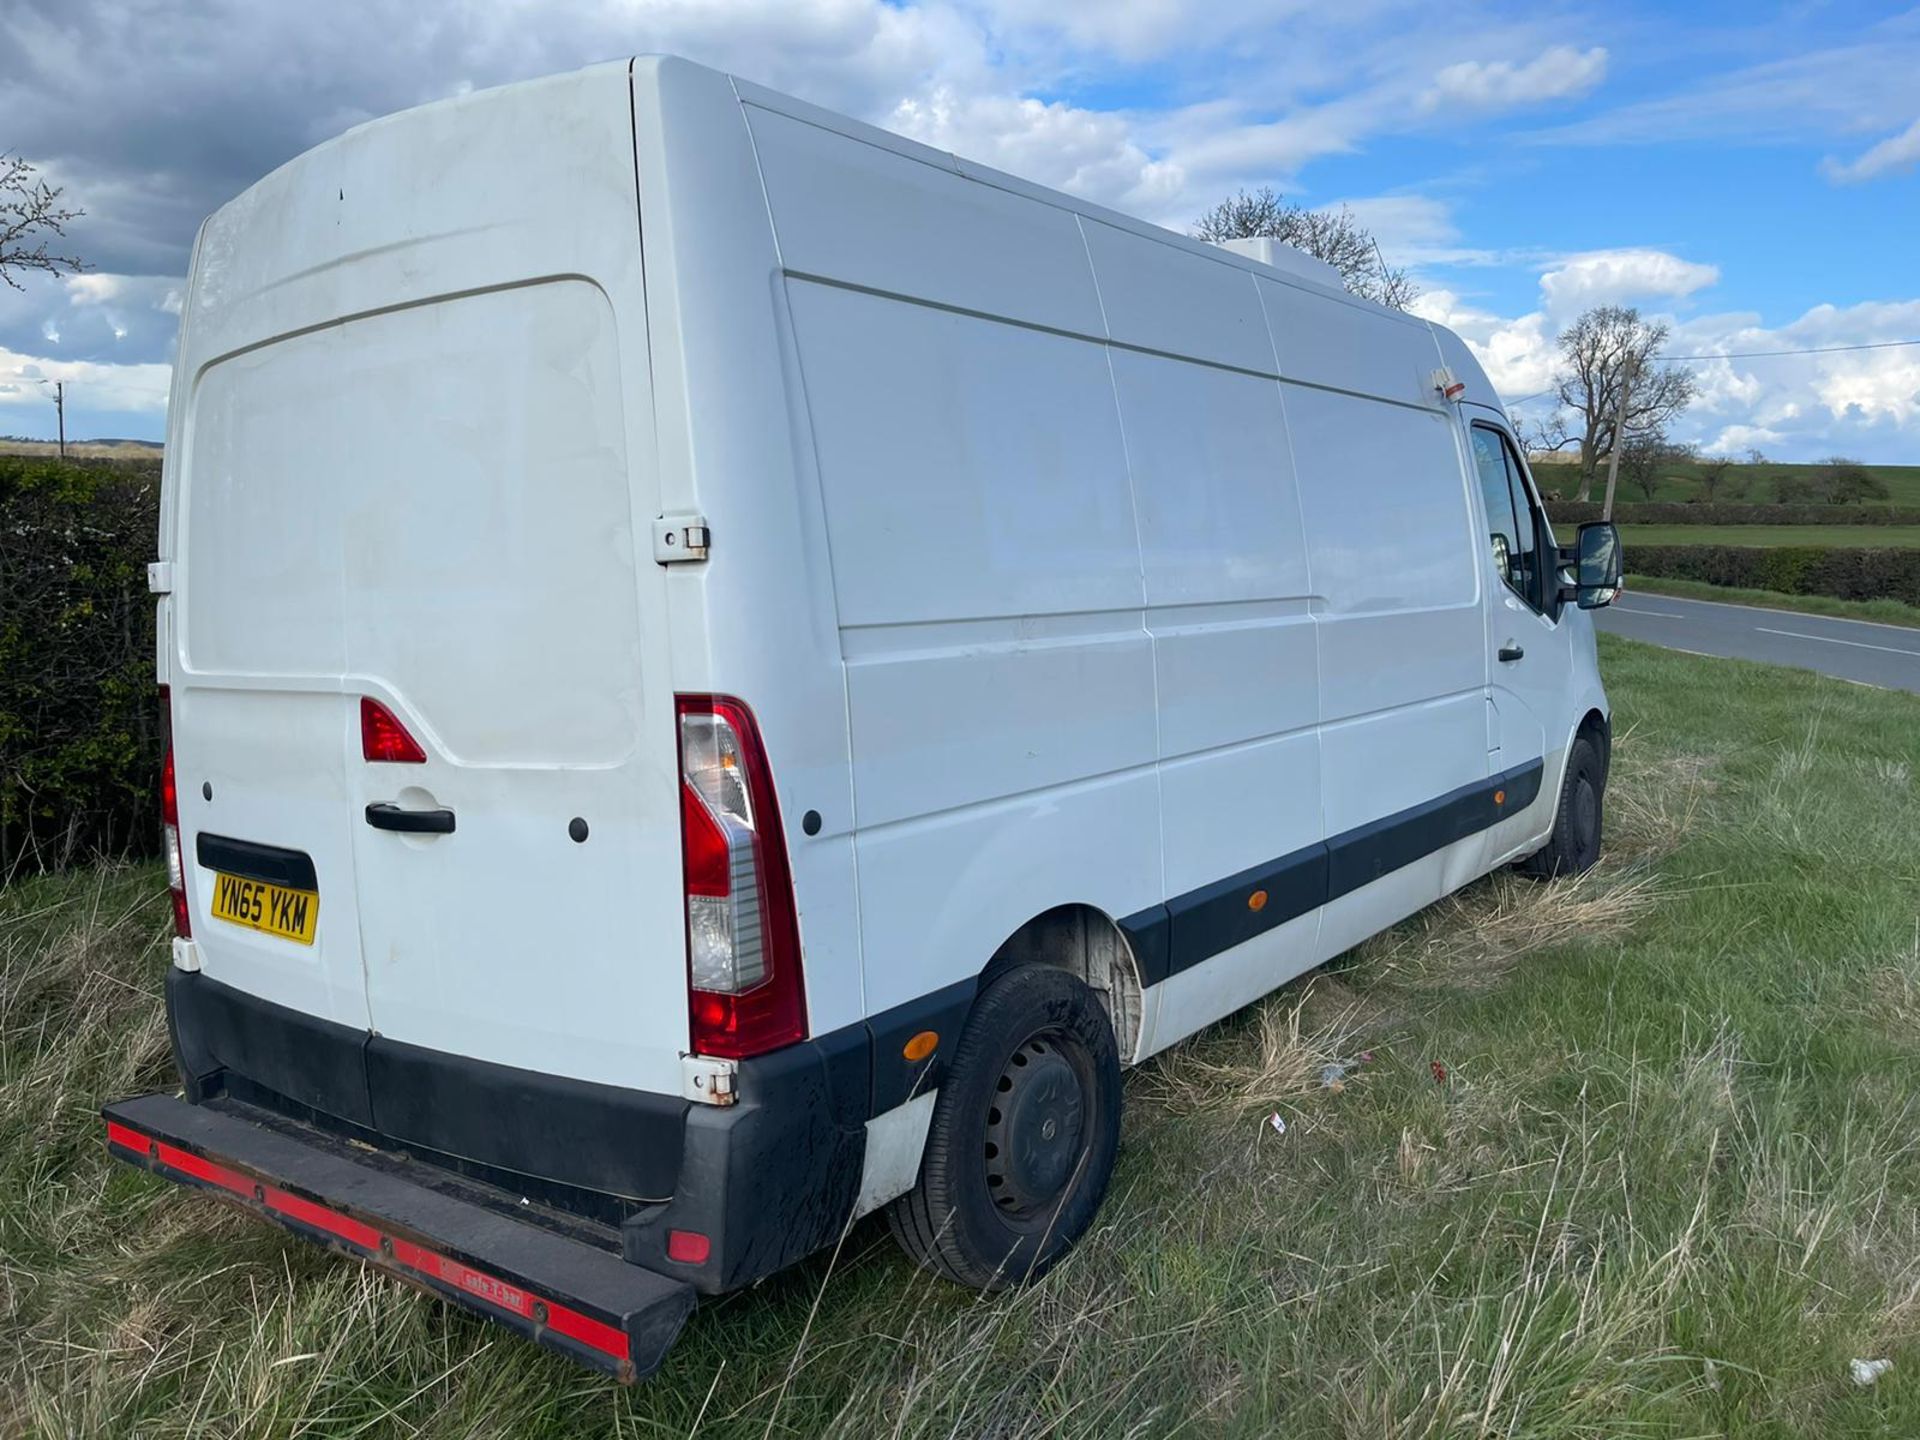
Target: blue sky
column 1750, row 174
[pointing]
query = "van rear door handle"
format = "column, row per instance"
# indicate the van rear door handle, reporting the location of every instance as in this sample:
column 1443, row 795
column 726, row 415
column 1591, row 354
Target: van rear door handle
column 384, row 815
column 1511, row 652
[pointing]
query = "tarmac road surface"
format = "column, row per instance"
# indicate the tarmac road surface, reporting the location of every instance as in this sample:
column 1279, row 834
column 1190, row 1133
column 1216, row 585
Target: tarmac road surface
column 1858, row 650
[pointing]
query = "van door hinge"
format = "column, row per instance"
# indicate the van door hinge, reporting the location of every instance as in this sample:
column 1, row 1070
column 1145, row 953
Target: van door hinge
column 160, row 577
column 678, row 538
column 708, row 1081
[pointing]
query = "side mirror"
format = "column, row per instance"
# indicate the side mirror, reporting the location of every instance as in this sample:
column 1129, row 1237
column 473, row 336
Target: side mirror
column 1597, row 564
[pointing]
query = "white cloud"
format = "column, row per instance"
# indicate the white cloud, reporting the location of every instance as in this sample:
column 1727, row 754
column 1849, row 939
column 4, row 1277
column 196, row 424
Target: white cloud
column 1810, row 91
column 1795, row 406
column 1557, row 73
column 1896, row 152
column 94, row 288
column 1736, row 440
column 1088, row 152
column 139, row 388
column 1518, row 355
column 1141, row 29
column 1615, row 277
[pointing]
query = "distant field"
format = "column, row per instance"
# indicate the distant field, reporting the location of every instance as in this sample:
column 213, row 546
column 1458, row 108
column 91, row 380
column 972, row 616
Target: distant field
column 1749, row 483
column 1875, row 537
column 85, row 449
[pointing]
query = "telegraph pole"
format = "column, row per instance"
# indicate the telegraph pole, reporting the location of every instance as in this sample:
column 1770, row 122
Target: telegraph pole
column 1619, row 438
column 60, row 409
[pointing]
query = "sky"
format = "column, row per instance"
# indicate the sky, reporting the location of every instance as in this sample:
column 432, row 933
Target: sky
column 1749, row 174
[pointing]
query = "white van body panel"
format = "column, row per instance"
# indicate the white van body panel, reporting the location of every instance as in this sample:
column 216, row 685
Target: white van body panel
column 1063, row 561
column 409, row 455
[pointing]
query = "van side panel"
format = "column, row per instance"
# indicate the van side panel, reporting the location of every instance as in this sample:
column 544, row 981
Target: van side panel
column 986, row 569
column 1402, row 673
column 756, row 619
column 908, row 224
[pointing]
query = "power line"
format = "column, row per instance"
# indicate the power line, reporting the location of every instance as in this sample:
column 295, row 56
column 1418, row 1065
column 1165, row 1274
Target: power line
column 1750, row 355
column 1812, row 350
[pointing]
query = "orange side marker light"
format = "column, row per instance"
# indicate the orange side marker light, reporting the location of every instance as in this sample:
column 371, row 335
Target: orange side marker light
column 921, row 1045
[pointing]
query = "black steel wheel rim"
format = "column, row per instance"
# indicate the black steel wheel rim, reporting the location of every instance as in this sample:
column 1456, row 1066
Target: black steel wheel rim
column 1586, row 816
column 1036, row 1126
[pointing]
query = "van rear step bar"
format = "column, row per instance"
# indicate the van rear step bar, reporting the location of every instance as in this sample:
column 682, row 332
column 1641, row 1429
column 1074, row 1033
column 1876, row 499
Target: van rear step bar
column 584, row 1302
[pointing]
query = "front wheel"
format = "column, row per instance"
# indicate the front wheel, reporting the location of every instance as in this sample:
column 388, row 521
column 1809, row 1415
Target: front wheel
column 1575, row 843
column 1023, row 1137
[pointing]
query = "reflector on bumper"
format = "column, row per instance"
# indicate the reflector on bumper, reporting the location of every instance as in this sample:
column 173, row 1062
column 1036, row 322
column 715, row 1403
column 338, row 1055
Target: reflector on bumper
column 569, row 1296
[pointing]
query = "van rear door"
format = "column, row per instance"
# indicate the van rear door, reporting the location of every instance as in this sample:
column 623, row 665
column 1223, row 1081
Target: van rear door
column 414, row 456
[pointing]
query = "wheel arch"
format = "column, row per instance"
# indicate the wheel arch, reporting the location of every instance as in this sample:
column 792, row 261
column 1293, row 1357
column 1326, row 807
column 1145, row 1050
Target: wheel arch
column 1596, row 726
column 1085, row 941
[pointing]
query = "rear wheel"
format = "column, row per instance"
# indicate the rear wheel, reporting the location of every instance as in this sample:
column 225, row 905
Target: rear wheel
column 1575, row 843
column 1024, row 1133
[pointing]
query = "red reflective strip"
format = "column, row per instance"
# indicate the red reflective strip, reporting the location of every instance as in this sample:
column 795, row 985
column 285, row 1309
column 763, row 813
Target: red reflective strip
column 589, row 1331
column 188, row 1163
column 490, row 1289
column 118, row 1134
column 321, row 1218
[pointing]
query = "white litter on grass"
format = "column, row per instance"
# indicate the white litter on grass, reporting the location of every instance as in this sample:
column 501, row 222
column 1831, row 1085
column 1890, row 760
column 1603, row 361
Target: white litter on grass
column 1865, row 1372
column 1334, row 1077
column 1279, row 1125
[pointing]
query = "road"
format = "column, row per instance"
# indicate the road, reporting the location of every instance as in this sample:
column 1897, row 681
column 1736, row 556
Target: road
column 1859, row 650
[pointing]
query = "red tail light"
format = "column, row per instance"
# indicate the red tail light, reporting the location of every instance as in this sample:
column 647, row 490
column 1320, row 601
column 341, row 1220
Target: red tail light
column 384, row 738
column 170, row 822
column 743, row 937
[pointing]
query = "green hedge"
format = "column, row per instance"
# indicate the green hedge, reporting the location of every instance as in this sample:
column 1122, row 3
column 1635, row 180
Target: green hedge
column 1576, row 512
column 1842, row 573
column 79, row 722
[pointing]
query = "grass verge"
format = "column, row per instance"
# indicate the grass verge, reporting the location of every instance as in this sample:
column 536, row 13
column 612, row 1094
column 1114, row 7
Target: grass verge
column 1627, row 1155
column 1884, row 612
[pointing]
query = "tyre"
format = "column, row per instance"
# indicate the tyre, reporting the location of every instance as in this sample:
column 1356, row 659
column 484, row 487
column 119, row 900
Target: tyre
column 1024, row 1133
column 1575, row 843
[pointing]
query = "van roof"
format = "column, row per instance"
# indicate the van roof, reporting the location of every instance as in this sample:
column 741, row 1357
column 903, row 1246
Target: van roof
column 1301, row 277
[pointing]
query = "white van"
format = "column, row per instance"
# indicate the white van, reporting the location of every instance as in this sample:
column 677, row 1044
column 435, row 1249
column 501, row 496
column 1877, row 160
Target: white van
column 728, row 670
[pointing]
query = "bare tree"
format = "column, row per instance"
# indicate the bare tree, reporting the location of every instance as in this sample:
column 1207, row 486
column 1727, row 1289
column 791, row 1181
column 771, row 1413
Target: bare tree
column 1713, row 473
column 1647, row 458
column 1843, row 481
column 30, row 215
column 1601, row 350
column 1334, row 236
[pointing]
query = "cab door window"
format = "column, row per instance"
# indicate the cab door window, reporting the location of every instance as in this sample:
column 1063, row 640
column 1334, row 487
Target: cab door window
column 1512, row 526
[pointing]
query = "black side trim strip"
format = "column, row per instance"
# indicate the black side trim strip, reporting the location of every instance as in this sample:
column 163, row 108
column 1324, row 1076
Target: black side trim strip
column 897, row 1079
column 1219, row 916
column 253, row 861
column 1366, row 853
column 1201, row 923
column 1147, row 932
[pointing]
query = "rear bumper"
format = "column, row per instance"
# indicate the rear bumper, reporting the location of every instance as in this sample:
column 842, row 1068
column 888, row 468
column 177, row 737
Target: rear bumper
column 584, row 1301
column 767, row 1180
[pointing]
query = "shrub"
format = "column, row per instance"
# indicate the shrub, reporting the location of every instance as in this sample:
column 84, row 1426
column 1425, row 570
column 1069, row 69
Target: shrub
column 1699, row 512
column 1848, row 482
column 79, row 726
column 1843, row 573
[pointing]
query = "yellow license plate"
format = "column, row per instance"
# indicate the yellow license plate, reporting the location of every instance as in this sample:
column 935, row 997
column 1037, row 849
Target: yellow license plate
column 290, row 914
